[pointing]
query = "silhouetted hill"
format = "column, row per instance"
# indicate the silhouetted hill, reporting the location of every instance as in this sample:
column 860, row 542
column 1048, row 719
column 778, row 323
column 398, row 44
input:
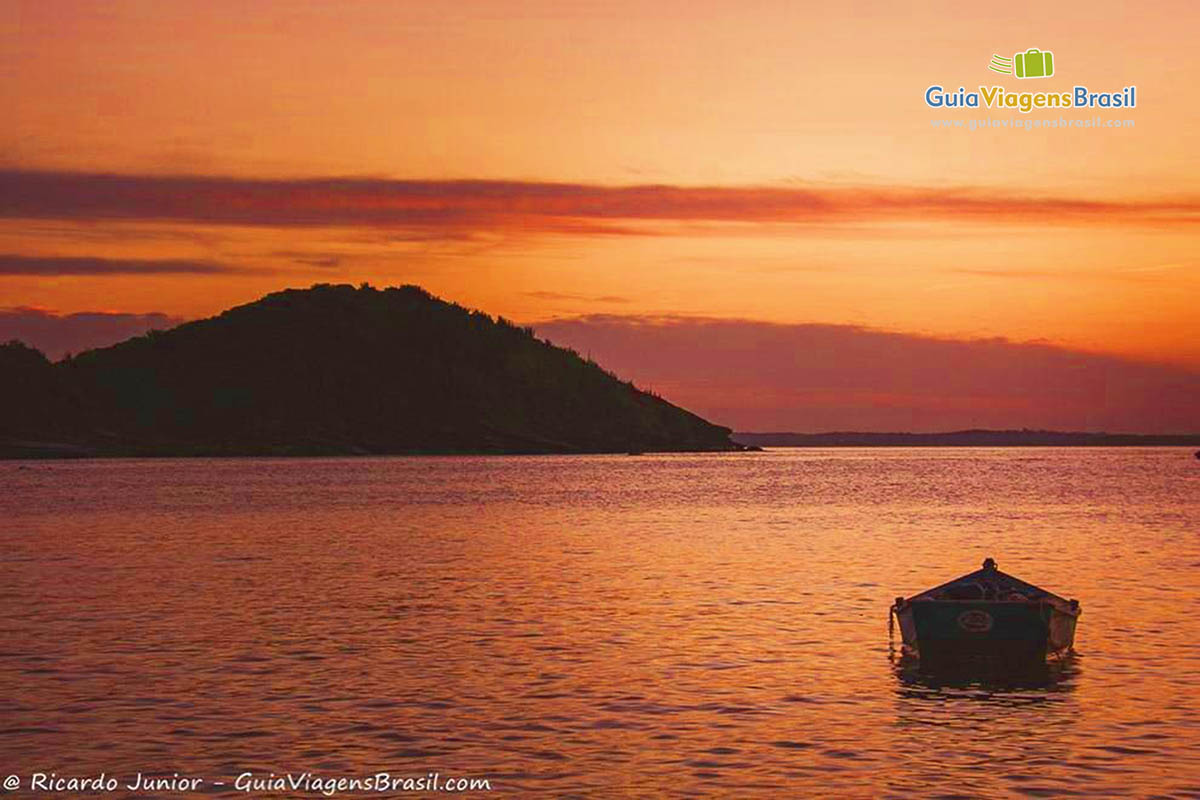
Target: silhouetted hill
column 335, row 369
column 38, row 401
column 971, row 438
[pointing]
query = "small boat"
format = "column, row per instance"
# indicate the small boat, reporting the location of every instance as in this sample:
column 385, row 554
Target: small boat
column 986, row 617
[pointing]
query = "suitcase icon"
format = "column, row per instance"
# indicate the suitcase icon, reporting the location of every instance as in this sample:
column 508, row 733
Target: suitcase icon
column 1034, row 63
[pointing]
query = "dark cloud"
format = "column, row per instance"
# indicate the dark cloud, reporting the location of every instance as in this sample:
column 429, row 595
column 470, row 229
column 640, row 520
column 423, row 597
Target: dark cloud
column 757, row 376
column 12, row 264
column 56, row 334
column 306, row 259
column 324, row 263
column 453, row 207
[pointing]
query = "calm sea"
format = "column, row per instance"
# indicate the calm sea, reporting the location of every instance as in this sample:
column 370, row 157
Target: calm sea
column 711, row 625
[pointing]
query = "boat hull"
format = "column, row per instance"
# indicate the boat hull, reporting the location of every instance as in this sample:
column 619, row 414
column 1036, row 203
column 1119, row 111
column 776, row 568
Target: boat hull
column 984, row 632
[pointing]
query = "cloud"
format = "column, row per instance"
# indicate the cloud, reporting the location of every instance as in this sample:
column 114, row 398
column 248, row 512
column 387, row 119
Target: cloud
column 1146, row 275
column 459, row 206
column 56, row 334
column 13, row 264
column 1007, row 273
column 758, row 376
column 318, row 260
column 587, row 298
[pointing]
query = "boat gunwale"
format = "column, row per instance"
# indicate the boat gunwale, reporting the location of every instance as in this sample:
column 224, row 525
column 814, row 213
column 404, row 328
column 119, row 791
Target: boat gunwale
column 989, row 569
column 1053, row 601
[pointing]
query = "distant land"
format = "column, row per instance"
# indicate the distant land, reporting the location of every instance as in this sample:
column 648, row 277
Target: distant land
column 334, row 370
column 969, row 438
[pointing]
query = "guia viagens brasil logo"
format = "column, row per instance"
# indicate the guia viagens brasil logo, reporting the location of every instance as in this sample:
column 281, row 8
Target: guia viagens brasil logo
column 1030, row 64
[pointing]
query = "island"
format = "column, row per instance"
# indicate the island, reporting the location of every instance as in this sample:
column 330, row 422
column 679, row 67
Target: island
column 334, row 370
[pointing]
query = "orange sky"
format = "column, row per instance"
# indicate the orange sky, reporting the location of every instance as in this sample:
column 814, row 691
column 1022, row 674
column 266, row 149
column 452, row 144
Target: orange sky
column 800, row 179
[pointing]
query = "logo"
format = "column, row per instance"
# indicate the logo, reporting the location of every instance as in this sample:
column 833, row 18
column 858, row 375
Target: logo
column 975, row 621
column 1033, row 63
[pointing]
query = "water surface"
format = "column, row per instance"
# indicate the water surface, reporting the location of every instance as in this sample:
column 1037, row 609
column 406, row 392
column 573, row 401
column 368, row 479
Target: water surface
column 685, row 625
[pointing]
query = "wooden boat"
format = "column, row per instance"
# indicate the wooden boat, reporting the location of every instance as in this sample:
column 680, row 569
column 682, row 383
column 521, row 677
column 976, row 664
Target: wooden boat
column 986, row 617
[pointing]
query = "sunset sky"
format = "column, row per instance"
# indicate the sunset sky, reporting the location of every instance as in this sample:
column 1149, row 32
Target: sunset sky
column 727, row 169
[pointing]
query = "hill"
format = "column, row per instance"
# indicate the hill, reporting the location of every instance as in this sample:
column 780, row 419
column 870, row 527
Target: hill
column 334, row 370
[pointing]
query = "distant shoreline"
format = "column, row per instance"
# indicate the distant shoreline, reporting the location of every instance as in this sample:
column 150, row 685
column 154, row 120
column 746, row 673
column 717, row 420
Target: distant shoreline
column 54, row 451
column 968, row 438
column 744, row 442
